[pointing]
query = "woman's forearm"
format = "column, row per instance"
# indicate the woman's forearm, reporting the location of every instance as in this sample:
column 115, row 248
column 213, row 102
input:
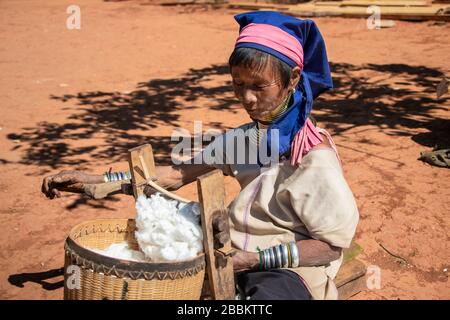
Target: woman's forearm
column 317, row 253
column 174, row 177
column 168, row 177
column 190, row 172
column 94, row 178
column 312, row 253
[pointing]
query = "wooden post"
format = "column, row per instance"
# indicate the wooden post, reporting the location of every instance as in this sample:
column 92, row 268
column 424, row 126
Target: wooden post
column 142, row 167
column 351, row 279
column 219, row 263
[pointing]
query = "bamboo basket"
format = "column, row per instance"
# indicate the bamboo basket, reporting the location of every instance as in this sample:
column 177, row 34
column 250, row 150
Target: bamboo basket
column 98, row 277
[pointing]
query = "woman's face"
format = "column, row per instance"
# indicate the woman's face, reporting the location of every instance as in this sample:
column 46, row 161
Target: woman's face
column 259, row 92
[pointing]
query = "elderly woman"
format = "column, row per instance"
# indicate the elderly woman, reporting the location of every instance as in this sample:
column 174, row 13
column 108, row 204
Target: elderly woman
column 295, row 211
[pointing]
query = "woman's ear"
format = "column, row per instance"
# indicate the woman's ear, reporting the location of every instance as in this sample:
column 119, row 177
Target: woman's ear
column 295, row 78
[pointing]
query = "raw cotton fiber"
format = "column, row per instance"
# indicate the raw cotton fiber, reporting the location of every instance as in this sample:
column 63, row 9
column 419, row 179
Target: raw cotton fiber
column 167, row 230
column 121, row 251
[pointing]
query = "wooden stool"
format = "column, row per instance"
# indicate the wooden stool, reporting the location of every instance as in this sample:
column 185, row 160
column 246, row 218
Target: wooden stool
column 351, row 279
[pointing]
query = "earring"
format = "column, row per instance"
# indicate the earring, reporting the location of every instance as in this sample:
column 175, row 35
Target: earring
column 293, row 91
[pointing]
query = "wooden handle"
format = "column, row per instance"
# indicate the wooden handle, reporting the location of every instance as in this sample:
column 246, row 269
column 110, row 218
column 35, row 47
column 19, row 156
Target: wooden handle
column 102, row 190
column 166, row 192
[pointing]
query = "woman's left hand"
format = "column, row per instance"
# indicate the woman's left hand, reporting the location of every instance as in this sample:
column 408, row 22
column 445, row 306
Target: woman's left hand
column 244, row 260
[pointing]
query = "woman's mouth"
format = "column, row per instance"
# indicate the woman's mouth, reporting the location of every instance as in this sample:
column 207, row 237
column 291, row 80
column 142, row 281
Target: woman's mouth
column 252, row 113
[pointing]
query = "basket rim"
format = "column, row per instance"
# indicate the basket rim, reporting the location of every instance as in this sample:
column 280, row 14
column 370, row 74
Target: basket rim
column 71, row 244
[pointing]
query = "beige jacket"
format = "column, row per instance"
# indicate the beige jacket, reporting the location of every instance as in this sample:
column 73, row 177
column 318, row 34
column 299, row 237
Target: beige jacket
column 285, row 203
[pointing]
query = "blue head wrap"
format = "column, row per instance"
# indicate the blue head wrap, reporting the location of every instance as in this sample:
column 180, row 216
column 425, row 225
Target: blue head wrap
column 315, row 76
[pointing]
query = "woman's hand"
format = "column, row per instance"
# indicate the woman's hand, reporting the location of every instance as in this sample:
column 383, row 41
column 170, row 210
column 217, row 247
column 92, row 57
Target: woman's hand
column 244, row 260
column 68, row 180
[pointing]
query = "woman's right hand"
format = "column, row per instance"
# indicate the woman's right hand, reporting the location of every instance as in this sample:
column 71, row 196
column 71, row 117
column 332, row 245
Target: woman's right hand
column 67, row 180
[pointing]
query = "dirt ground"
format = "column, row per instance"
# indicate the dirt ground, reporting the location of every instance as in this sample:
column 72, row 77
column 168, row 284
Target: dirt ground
column 79, row 99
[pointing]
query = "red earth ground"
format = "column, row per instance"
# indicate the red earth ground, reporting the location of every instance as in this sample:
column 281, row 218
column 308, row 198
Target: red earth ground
column 79, row 99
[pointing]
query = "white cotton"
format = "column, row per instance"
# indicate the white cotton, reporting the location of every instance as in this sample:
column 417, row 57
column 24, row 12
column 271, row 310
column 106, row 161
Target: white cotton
column 168, row 230
column 121, row 251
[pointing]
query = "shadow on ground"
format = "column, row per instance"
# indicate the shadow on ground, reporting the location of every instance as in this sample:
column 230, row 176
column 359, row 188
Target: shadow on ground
column 41, row 278
column 110, row 123
column 395, row 98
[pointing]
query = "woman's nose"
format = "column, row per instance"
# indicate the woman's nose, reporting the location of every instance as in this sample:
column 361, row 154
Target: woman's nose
column 248, row 97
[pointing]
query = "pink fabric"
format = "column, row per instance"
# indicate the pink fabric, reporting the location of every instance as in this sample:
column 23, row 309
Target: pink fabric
column 306, row 139
column 273, row 38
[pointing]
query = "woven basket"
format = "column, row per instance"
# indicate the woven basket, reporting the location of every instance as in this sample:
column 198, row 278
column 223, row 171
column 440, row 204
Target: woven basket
column 100, row 277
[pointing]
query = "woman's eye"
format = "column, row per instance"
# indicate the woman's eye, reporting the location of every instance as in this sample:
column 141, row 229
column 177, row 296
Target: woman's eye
column 257, row 87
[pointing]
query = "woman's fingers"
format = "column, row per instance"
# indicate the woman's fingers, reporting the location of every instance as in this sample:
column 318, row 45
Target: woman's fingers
column 46, row 184
column 65, row 177
column 51, row 183
column 56, row 193
column 58, row 178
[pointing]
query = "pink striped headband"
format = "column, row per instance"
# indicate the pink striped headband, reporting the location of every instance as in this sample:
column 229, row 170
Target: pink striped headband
column 273, row 38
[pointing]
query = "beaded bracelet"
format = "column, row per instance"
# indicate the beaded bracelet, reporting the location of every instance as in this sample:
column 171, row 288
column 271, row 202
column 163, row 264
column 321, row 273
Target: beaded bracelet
column 116, row 176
